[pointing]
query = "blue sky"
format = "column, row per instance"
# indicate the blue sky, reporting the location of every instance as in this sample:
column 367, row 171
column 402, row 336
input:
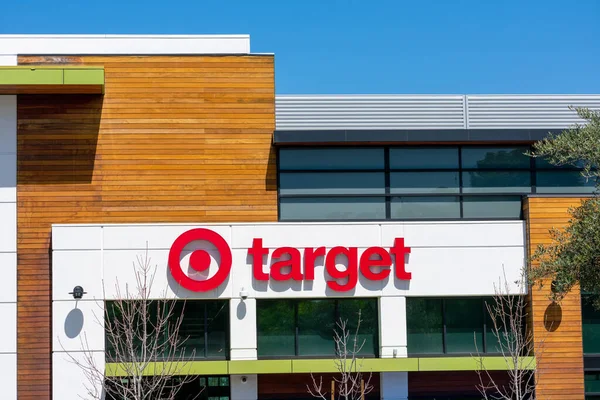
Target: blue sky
column 362, row 46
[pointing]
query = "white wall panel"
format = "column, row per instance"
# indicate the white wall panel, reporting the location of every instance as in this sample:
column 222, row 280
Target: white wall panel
column 8, row 281
column 8, row 227
column 242, row 329
column 78, row 322
column 392, row 327
column 394, row 385
column 76, row 238
column 124, row 44
column 307, row 235
column 127, row 237
column 77, row 268
column 244, row 387
column 8, row 333
column 69, row 380
column 8, row 376
column 446, row 259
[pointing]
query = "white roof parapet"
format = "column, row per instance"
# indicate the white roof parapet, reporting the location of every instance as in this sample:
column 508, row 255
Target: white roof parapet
column 123, row 44
column 414, row 112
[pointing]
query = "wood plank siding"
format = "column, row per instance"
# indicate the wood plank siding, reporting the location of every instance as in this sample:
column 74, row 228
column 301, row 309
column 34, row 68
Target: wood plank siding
column 557, row 328
column 174, row 139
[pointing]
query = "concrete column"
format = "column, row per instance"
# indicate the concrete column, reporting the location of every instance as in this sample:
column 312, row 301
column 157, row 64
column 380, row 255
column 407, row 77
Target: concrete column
column 8, row 240
column 242, row 328
column 392, row 326
column 394, row 385
column 244, row 387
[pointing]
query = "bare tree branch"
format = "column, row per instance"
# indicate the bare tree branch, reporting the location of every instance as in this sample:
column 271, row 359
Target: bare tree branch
column 350, row 383
column 143, row 338
column 514, row 342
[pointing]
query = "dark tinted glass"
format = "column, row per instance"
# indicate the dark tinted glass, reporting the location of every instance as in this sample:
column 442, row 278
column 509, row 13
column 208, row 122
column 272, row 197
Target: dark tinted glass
column 494, row 157
column 276, row 328
column 592, row 382
column 217, row 319
column 590, row 325
column 368, row 331
column 424, row 158
column 492, row 207
column 328, row 158
column 424, row 325
column 332, row 183
column 425, row 207
column 464, row 325
column 192, row 327
column 424, row 182
column 563, row 182
column 332, row 208
column 316, row 321
column 496, row 182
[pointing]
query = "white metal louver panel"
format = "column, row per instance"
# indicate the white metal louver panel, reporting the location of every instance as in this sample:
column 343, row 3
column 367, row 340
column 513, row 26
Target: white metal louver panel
column 526, row 111
column 356, row 112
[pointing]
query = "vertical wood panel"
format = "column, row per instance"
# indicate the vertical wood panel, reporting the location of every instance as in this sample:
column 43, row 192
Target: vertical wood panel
column 174, row 139
column 556, row 328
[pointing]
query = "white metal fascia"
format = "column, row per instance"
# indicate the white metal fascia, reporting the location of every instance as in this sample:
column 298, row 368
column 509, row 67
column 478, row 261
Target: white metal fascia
column 123, row 44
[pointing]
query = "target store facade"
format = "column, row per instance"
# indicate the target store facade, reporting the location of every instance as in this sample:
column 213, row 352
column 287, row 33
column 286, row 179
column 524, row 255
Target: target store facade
column 272, row 217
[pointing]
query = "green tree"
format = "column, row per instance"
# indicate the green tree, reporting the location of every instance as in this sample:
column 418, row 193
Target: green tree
column 573, row 256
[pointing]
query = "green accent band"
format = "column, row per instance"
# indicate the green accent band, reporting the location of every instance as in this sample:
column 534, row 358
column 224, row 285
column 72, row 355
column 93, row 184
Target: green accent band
column 238, row 367
column 28, row 75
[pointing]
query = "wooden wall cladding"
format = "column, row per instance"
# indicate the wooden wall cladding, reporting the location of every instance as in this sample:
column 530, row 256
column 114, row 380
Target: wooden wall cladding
column 556, row 327
column 174, row 139
column 448, row 383
column 293, row 386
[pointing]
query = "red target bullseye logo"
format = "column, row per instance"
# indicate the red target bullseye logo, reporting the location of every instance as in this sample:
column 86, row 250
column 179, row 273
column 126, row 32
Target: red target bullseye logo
column 200, row 260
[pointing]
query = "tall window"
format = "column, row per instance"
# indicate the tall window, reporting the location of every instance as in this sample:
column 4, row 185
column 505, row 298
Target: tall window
column 412, row 183
column 296, row 328
column 449, row 326
column 204, row 327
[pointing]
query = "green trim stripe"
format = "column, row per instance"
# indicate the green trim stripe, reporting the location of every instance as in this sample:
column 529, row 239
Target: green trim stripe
column 238, row 367
column 26, row 75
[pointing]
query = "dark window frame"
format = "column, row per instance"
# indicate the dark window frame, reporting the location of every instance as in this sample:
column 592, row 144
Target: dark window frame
column 388, row 196
column 295, row 302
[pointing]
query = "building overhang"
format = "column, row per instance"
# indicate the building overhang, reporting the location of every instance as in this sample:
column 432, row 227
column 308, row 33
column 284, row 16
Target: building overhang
column 51, row 80
column 305, row 366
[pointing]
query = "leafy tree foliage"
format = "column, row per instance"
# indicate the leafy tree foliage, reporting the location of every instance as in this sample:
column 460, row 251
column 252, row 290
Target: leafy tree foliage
column 573, row 256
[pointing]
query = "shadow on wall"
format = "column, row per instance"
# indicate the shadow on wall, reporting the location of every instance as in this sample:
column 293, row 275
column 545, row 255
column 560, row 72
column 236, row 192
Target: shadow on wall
column 57, row 138
column 74, row 323
column 552, row 317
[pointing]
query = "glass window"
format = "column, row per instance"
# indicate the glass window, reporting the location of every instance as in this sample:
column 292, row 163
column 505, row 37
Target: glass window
column 192, row 327
column 368, row 331
column 563, row 182
column 425, row 207
column 424, row 158
column 492, row 207
column 201, row 319
column 464, row 325
column 424, row 326
column 332, row 208
column 495, row 157
column 276, row 328
column 332, row 183
column 316, row 322
column 331, row 158
column 592, row 381
column 496, row 182
column 424, row 182
column 590, row 325
column 217, row 320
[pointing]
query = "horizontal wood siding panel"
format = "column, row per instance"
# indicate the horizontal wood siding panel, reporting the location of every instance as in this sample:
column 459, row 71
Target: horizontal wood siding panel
column 556, row 329
column 174, row 139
